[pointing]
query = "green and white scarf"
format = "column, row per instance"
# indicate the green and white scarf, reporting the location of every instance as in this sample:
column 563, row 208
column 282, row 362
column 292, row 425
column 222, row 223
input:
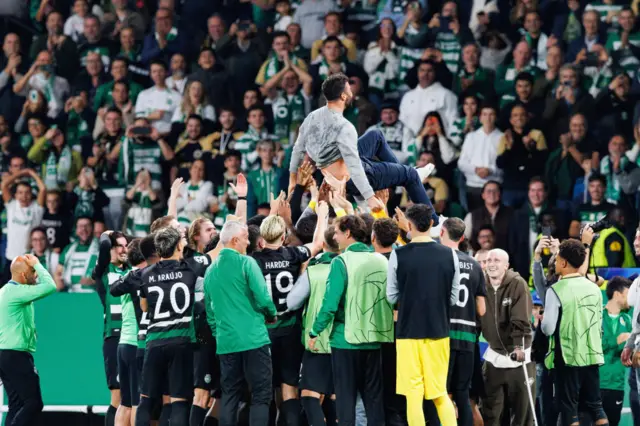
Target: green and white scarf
column 274, row 65
column 77, row 128
column 288, row 115
column 323, row 70
column 173, row 33
column 408, row 58
column 138, row 221
column 383, row 79
column 56, row 173
column 534, row 223
column 613, row 191
column 79, row 264
column 84, row 206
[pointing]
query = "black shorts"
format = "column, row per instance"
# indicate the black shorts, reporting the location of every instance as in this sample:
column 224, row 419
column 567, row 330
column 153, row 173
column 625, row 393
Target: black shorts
column 140, row 364
column 128, row 374
column 110, row 356
column 461, row 365
column 477, row 390
column 316, row 373
column 172, row 362
column 286, row 355
column 206, row 367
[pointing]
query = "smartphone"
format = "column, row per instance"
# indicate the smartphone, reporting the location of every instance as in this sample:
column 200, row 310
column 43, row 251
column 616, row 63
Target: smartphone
column 141, row 131
column 444, row 23
column 546, row 231
column 33, row 95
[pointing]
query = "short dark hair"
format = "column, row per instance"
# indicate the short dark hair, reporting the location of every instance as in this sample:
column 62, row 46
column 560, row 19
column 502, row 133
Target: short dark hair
column 334, row 86
column 135, row 255
column 114, row 109
column 254, row 236
column 113, row 237
column 157, row 62
column 368, row 221
column 305, row 228
column 617, row 284
column 256, row 107
column 166, row 241
column 332, row 13
column 386, row 231
column 277, row 34
column 119, row 59
column 420, row 216
column 256, row 220
column 148, row 247
column 39, row 229
column 194, row 117
column 537, row 179
column 486, row 227
column 79, row 218
column 455, row 228
column 329, row 239
column 525, row 76
column 124, row 83
column 355, row 225
column 233, row 153
column 598, row 177
column 492, row 182
column 573, row 252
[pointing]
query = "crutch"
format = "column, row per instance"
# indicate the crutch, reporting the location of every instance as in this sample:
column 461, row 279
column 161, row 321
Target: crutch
column 526, row 378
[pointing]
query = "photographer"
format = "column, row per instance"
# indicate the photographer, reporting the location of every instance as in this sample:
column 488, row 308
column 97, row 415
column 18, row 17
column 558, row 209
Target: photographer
column 611, row 249
column 573, row 321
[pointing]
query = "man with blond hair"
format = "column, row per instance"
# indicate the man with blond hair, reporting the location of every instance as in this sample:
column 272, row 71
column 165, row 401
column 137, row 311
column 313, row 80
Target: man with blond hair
column 281, row 267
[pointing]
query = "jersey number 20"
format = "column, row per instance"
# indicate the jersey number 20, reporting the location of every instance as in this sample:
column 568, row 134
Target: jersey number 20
column 157, row 314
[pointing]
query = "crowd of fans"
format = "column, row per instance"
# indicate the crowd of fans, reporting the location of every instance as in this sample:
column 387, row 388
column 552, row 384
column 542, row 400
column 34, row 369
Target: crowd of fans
column 527, row 109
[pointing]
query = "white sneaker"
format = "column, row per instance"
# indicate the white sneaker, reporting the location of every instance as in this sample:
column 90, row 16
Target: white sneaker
column 425, row 172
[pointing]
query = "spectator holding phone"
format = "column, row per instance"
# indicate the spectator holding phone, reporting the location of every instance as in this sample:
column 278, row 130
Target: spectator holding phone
column 143, row 148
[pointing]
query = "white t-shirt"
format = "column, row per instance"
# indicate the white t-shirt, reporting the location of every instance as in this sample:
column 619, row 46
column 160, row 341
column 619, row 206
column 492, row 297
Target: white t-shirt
column 153, row 99
column 20, row 221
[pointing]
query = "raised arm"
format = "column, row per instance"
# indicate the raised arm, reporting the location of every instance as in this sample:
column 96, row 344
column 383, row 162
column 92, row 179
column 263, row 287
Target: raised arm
column 322, row 210
column 297, row 156
column 241, row 188
column 42, row 189
column 44, row 286
column 173, row 197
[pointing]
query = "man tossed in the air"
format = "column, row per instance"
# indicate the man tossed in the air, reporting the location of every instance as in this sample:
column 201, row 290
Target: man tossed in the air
column 367, row 163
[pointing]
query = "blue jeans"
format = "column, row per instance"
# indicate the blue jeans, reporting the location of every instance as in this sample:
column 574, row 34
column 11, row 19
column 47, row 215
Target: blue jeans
column 384, row 171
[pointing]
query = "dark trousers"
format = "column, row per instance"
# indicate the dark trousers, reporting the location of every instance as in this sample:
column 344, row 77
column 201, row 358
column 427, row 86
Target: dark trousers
column 612, row 404
column 383, row 169
column 395, row 406
column 509, row 384
column 254, row 366
column 358, row 370
column 634, row 400
column 578, row 385
column 22, row 384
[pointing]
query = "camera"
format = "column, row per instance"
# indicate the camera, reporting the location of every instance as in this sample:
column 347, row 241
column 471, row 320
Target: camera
column 513, row 356
column 602, row 224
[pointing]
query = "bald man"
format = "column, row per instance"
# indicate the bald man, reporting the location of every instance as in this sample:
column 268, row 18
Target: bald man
column 507, row 329
column 30, row 281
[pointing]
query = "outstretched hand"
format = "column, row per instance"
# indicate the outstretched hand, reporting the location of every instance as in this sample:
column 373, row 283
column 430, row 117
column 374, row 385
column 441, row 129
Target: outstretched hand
column 241, row 188
column 375, row 204
column 175, row 188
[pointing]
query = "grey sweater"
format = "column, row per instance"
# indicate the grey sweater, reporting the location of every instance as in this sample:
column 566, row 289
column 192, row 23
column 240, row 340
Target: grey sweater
column 327, row 137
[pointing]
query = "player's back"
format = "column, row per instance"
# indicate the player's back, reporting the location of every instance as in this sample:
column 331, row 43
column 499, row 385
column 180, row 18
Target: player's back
column 321, row 132
column 463, row 313
column 281, row 269
column 168, row 287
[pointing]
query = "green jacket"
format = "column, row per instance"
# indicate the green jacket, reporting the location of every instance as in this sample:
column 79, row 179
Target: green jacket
column 334, row 302
column 103, row 94
column 237, row 303
column 17, row 319
column 612, row 372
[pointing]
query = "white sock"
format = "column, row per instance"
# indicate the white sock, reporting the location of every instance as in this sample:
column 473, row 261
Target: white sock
column 425, row 171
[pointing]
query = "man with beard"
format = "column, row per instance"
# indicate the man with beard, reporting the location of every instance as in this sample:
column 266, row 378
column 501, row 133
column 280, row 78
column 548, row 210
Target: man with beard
column 331, row 141
column 401, row 139
column 507, row 329
column 193, row 146
column 119, row 322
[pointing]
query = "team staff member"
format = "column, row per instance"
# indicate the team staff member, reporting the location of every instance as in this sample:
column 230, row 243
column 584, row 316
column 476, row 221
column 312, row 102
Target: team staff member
column 507, row 329
column 471, row 301
column 168, row 295
column 18, row 338
column 238, row 303
column 355, row 338
column 316, row 380
column 611, row 249
column 573, row 322
column 281, row 268
column 422, row 331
